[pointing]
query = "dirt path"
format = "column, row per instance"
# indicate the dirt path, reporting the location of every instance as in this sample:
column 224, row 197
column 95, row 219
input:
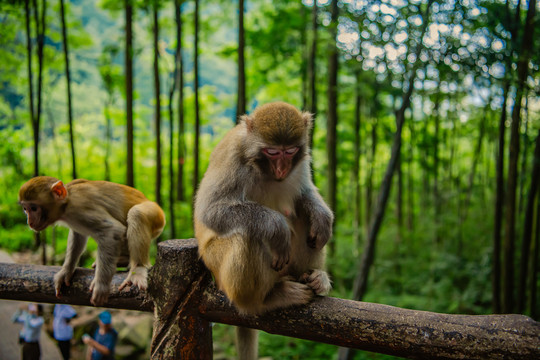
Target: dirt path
column 9, row 332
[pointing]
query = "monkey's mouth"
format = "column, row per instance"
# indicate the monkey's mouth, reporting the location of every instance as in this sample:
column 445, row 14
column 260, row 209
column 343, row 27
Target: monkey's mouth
column 37, row 228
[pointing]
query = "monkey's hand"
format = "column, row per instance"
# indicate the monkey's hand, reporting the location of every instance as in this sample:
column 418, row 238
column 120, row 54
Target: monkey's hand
column 136, row 277
column 321, row 229
column 100, row 292
column 318, row 281
column 279, row 240
column 62, row 277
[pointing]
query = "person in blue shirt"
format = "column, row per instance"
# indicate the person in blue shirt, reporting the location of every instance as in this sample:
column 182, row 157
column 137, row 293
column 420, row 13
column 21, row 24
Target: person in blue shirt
column 62, row 330
column 32, row 321
column 101, row 346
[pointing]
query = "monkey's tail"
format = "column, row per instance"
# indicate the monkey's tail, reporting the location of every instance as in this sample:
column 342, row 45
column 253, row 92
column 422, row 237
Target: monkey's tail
column 247, row 343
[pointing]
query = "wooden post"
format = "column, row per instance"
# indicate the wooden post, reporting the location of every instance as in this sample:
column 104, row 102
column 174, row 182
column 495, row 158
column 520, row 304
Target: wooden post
column 176, row 285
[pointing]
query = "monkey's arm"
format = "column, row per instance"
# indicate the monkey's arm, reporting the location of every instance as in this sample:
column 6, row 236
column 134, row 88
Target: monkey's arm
column 320, row 217
column 257, row 223
column 76, row 246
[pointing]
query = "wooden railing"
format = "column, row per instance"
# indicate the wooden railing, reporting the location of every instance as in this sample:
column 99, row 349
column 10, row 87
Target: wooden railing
column 185, row 301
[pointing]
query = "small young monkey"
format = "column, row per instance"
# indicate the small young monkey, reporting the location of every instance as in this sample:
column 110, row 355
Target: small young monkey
column 120, row 218
column 260, row 222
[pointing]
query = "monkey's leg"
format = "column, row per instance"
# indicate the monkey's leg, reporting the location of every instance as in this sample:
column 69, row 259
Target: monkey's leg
column 75, row 247
column 105, row 267
column 139, row 237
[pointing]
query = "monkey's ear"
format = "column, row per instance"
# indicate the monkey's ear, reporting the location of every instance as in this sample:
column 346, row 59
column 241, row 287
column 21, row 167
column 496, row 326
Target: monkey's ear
column 248, row 121
column 308, row 119
column 59, row 190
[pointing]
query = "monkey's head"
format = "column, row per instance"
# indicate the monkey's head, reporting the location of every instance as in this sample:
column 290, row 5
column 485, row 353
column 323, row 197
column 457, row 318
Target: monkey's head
column 42, row 199
column 278, row 136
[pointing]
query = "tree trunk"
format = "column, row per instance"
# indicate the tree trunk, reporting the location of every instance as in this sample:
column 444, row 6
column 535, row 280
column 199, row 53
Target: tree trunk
column 108, row 136
column 30, row 73
column 356, row 165
column 528, row 229
column 196, row 86
column 500, row 194
column 172, row 90
column 312, row 73
column 241, row 101
column 68, row 83
column 157, row 91
column 179, row 68
column 410, row 180
column 523, row 166
column 331, row 124
column 39, row 20
column 171, row 196
column 305, row 57
column 509, row 238
column 399, row 214
column 499, row 204
column 372, row 160
column 436, row 195
column 476, row 156
column 533, row 308
column 130, row 181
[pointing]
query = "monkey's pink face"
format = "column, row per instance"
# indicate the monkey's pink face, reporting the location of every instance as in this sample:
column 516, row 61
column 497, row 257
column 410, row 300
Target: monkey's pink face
column 35, row 217
column 280, row 160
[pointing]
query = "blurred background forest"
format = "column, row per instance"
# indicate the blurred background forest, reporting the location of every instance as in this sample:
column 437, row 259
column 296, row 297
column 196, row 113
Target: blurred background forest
column 426, row 142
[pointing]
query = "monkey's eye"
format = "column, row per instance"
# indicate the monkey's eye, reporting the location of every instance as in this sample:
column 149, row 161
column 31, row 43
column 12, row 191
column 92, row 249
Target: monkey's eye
column 292, row 151
column 272, row 152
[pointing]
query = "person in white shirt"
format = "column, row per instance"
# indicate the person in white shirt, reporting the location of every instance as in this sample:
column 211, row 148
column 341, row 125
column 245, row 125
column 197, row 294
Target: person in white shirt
column 62, row 330
column 32, row 321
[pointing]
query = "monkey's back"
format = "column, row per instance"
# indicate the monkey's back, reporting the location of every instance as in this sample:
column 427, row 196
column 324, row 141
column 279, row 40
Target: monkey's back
column 114, row 198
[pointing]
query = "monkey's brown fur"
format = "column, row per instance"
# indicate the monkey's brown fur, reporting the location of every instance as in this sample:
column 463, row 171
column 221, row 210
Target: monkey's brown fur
column 263, row 235
column 120, row 218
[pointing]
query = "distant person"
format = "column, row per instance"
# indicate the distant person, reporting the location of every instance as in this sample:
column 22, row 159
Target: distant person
column 32, row 320
column 62, row 329
column 101, row 346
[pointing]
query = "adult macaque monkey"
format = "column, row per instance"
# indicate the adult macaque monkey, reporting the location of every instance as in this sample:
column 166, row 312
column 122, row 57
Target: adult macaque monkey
column 260, row 222
column 120, row 218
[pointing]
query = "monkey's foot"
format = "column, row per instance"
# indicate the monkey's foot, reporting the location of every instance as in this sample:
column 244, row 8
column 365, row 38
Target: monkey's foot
column 61, row 277
column 136, row 277
column 288, row 293
column 317, row 280
column 100, row 293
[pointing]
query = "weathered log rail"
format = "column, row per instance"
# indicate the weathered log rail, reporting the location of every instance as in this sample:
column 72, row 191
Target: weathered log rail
column 184, row 300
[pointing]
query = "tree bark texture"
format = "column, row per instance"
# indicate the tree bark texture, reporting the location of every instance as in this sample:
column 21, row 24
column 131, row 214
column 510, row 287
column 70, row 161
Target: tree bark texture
column 130, row 181
column 509, row 235
column 35, row 283
column 499, row 203
column 157, row 92
column 312, row 73
column 331, row 123
column 526, row 253
column 241, row 101
column 186, row 301
column 179, row 68
column 176, row 284
column 68, row 85
column 196, row 90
